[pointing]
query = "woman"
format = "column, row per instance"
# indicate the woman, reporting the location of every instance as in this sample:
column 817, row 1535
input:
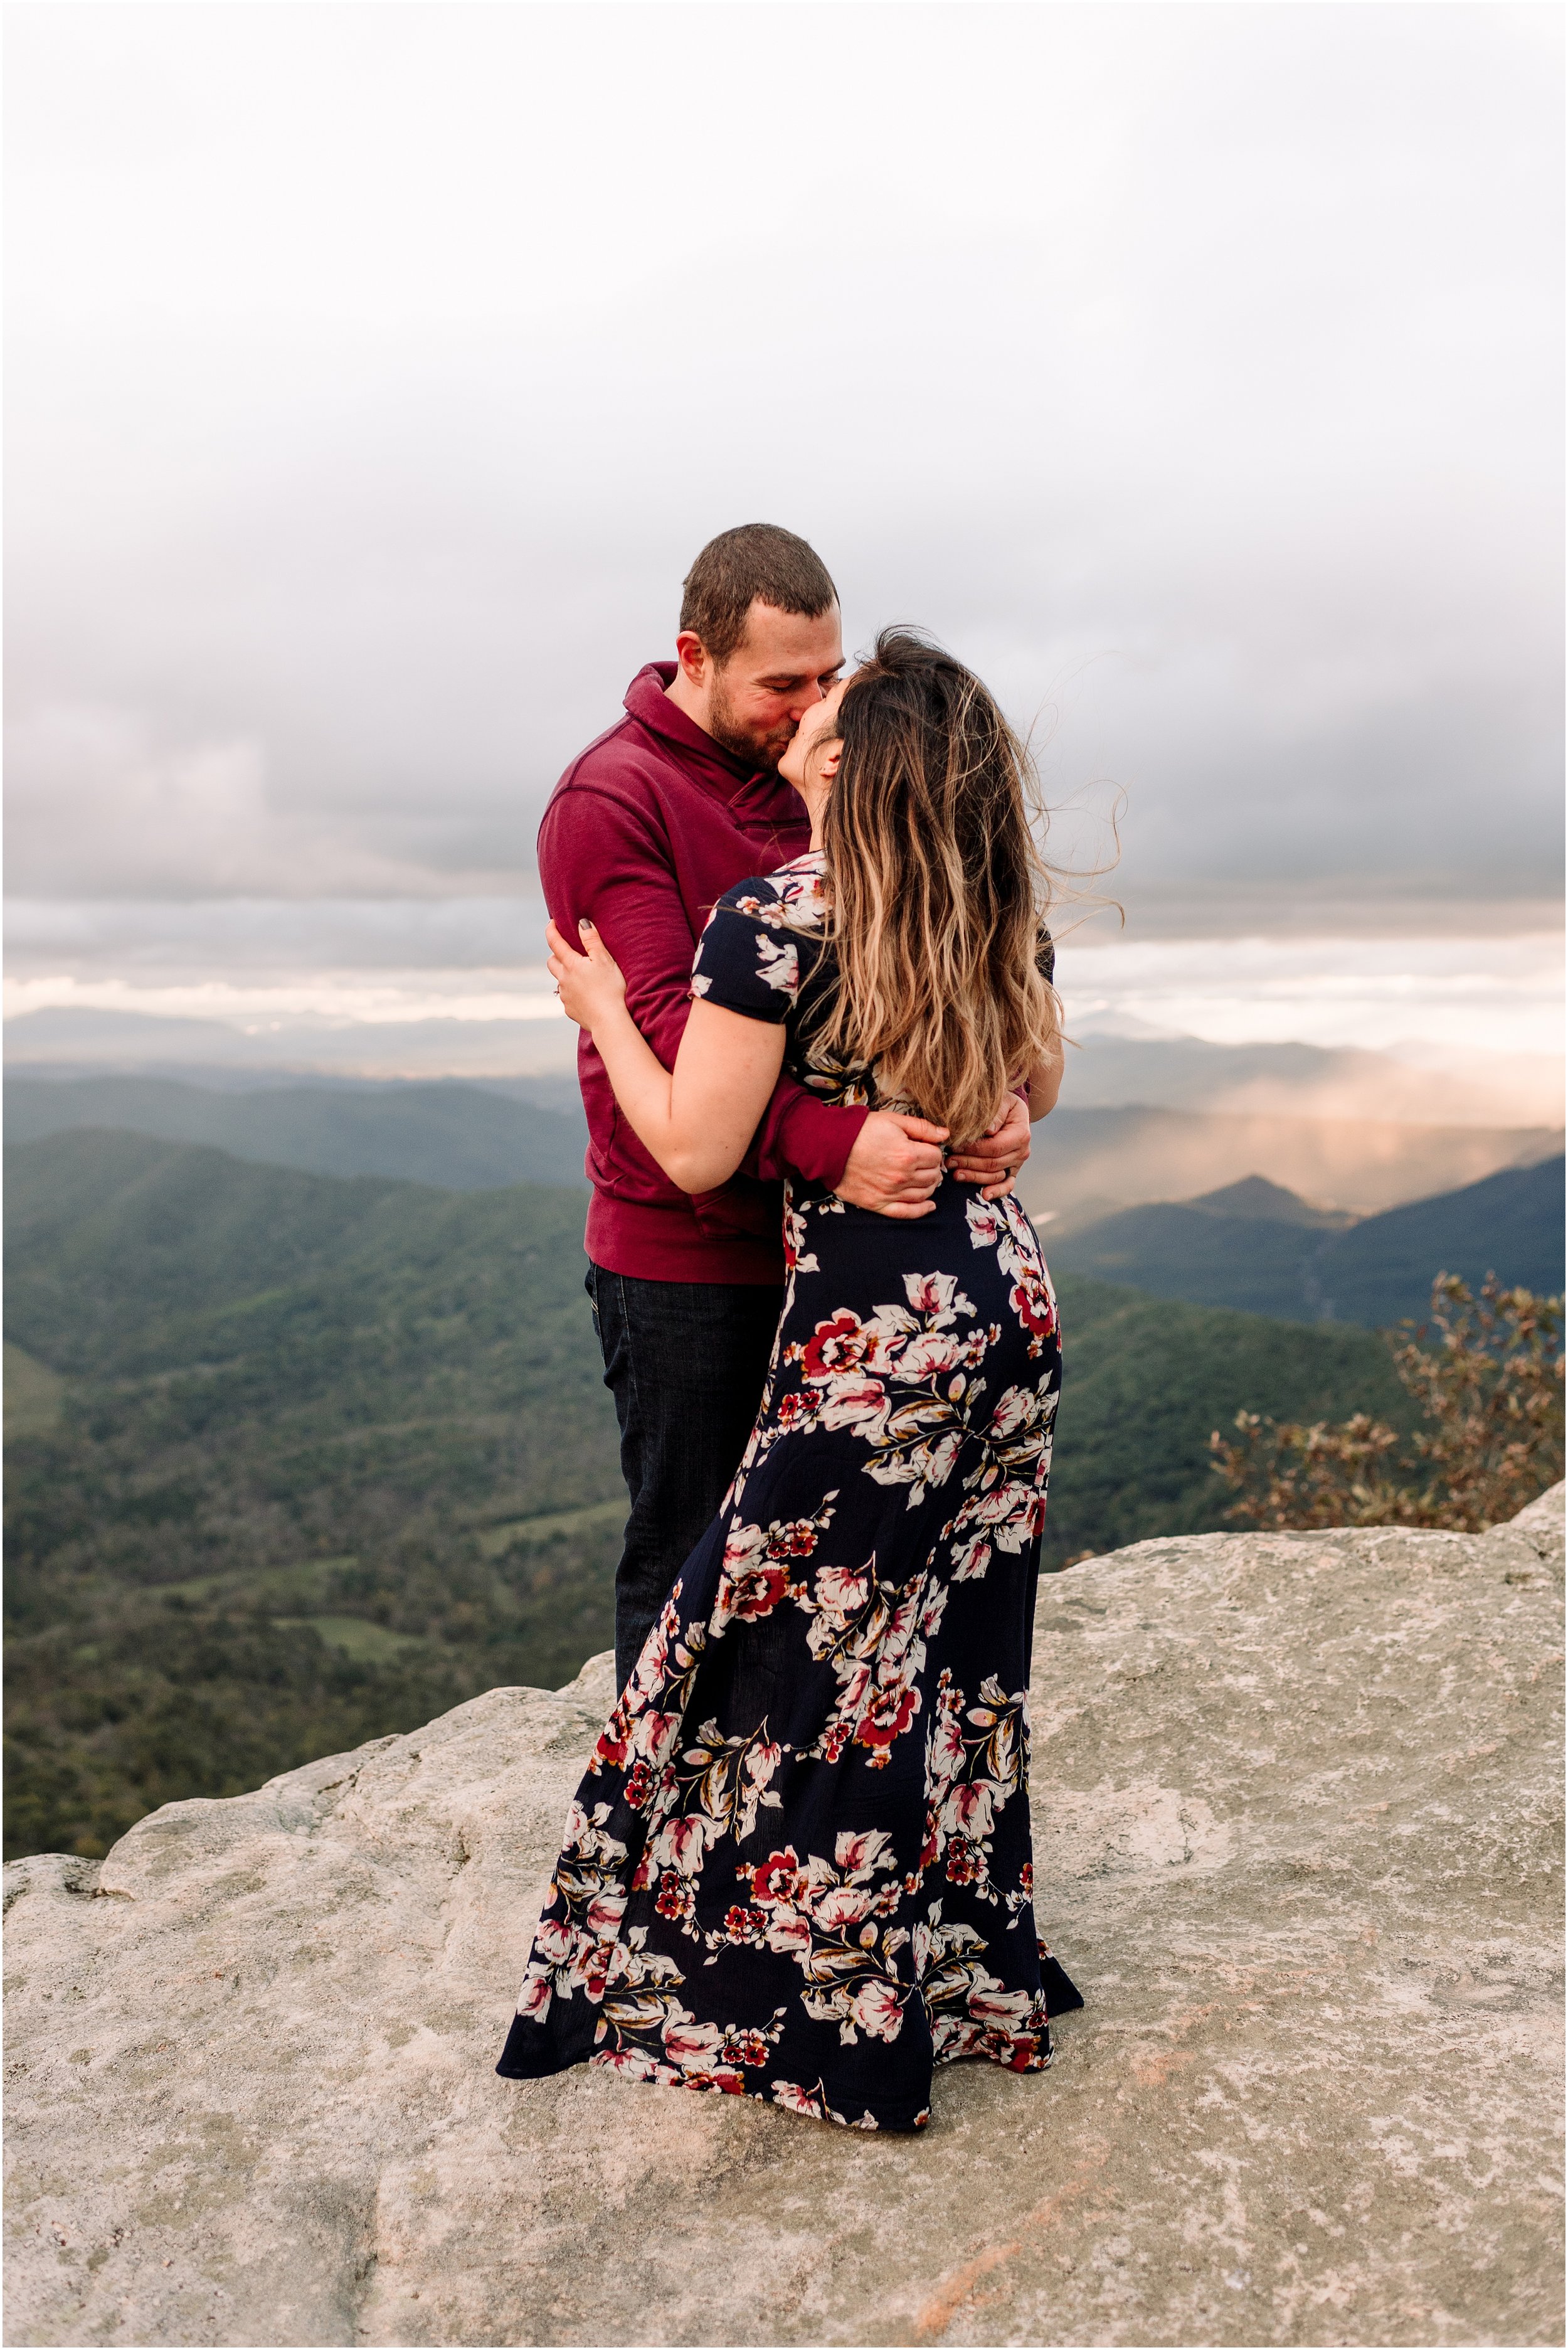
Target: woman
column 798, row 1868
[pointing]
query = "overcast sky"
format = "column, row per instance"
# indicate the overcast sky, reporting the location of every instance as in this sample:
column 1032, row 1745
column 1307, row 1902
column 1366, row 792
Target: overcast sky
column 376, row 371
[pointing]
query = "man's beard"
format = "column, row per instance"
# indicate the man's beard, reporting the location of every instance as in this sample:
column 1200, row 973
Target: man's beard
column 760, row 751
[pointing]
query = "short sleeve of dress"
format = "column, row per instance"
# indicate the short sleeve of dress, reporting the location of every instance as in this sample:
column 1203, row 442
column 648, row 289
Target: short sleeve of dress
column 746, row 961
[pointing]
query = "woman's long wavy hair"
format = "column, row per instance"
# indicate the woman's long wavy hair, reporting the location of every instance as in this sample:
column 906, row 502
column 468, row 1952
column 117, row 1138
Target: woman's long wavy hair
column 936, row 891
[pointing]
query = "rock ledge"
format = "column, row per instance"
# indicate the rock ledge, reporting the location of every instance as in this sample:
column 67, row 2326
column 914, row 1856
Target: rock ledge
column 1296, row 1803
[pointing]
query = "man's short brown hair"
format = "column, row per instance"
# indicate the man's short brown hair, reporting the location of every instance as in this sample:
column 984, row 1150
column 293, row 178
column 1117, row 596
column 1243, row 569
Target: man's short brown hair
column 756, row 563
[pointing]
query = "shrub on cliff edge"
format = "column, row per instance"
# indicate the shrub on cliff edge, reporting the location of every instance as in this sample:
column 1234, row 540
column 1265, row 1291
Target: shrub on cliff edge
column 1486, row 1372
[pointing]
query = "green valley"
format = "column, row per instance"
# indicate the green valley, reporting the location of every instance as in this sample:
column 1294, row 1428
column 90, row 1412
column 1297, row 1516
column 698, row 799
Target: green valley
column 296, row 1460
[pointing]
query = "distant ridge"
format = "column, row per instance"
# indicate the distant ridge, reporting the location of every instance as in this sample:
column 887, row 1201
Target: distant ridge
column 486, row 1135
column 1087, row 1162
column 463, row 1137
column 1260, row 1200
column 1256, row 1246
column 1107, row 1070
column 1510, row 1224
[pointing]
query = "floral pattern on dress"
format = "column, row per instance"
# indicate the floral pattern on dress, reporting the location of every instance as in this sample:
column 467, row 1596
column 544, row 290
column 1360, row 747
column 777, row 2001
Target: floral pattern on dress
column 799, row 1866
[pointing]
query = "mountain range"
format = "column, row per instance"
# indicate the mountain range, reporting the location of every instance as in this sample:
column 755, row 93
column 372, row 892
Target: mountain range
column 467, row 1136
column 1108, row 1068
column 1087, row 1162
column 1260, row 1247
column 463, row 1137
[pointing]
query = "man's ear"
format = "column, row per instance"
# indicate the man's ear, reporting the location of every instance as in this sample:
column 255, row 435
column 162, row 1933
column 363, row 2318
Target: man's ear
column 692, row 655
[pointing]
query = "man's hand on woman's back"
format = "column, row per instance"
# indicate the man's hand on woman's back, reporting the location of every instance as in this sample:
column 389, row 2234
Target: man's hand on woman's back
column 894, row 1166
column 896, row 1163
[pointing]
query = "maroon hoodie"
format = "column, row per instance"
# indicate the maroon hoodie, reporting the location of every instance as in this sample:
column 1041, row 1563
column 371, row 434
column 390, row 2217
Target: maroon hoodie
column 643, row 832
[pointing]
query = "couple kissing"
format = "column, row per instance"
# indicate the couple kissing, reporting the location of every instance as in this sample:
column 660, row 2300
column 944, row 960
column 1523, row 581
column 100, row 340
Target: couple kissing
column 800, row 920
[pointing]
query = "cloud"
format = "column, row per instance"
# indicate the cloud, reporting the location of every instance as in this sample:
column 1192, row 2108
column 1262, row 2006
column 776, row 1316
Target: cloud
column 97, row 807
column 1386, row 994
column 265, row 941
column 376, row 372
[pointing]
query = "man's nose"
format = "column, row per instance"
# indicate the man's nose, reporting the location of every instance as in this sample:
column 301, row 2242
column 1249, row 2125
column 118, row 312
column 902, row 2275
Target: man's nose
column 803, row 701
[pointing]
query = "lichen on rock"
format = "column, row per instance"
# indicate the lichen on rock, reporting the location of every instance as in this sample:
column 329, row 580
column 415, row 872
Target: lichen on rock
column 1296, row 1802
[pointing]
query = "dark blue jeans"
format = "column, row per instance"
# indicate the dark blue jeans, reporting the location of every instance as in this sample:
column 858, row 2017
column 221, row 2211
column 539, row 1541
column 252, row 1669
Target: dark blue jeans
column 686, row 1362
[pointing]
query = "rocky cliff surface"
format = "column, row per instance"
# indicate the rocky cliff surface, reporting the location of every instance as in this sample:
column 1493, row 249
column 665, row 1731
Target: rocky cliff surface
column 1295, row 1800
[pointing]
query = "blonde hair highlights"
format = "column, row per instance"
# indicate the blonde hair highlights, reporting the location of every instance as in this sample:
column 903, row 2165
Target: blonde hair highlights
column 936, row 891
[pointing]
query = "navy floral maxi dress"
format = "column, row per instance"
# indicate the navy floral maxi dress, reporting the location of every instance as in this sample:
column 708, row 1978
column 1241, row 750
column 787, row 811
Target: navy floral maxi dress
column 799, row 1865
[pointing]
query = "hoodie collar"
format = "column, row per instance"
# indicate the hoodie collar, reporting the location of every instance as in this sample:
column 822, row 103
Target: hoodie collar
column 648, row 703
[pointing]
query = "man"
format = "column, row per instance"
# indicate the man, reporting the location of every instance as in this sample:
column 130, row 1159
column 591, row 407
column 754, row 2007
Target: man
column 677, row 803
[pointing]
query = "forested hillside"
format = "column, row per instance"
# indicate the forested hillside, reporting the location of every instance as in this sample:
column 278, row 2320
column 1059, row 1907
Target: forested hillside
column 295, row 1461
column 1510, row 1224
